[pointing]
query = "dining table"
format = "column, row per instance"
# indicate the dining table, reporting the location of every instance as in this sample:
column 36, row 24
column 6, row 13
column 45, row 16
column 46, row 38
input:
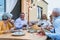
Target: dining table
column 27, row 36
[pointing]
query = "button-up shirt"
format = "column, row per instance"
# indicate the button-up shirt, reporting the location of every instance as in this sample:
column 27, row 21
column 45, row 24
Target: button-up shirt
column 19, row 23
column 56, row 25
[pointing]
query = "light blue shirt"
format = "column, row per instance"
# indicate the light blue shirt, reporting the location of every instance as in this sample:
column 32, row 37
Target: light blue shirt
column 19, row 23
column 56, row 25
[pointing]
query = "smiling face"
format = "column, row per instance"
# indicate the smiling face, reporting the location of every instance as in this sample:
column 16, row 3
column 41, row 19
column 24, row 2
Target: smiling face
column 55, row 14
column 44, row 16
column 22, row 16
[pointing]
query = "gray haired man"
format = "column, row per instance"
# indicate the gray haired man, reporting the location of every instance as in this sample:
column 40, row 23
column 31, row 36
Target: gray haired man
column 56, row 24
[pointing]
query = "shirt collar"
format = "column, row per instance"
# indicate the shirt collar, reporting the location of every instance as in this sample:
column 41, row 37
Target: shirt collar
column 56, row 17
column 21, row 19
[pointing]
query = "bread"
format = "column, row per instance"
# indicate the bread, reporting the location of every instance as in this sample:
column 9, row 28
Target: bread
column 35, row 27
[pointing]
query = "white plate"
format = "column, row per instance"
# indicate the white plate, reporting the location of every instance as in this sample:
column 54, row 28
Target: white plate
column 32, row 31
column 18, row 34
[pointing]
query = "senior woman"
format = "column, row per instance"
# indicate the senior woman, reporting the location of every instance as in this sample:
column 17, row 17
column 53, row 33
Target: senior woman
column 5, row 25
column 44, row 21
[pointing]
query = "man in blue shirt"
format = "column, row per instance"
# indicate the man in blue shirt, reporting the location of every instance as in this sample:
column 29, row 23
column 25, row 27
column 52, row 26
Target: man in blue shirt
column 56, row 24
column 20, row 22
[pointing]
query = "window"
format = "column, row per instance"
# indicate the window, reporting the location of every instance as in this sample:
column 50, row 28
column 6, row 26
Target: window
column 2, row 8
column 39, row 12
column 2, row 5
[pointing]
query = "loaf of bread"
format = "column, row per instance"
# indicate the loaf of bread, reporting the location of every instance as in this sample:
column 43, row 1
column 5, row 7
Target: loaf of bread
column 35, row 27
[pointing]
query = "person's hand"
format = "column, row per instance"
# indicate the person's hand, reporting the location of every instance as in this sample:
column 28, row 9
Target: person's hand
column 48, row 28
column 13, row 28
column 24, row 25
column 41, row 32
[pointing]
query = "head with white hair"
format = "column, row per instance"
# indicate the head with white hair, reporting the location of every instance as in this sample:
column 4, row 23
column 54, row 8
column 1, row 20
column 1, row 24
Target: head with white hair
column 56, row 12
column 7, row 16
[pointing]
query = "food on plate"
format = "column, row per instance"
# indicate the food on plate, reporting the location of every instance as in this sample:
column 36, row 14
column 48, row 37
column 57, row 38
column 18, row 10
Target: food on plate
column 35, row 27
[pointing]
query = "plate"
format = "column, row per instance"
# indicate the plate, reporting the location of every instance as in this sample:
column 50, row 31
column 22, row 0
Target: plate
column 18, row 34
column 32, row 31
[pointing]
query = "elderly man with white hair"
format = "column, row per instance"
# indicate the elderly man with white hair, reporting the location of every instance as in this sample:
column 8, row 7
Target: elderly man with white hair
column 56, row 24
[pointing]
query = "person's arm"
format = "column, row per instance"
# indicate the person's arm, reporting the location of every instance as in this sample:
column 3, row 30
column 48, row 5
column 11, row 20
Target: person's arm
column 51, row 29
column 3, row 31
column 53, row 35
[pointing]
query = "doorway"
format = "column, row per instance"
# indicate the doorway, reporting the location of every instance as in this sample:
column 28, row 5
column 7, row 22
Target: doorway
column 17, row 10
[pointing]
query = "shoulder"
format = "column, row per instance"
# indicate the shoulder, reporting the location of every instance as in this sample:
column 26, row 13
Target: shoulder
column 18, row 19
column 25, row 20
column 57, row 20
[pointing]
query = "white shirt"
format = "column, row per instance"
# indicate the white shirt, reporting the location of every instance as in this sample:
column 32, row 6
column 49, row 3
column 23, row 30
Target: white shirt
column 44, row 23
column 19, row 23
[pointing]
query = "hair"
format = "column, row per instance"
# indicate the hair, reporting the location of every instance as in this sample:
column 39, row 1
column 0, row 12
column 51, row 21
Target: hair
column 4, row 17
column 22, row 13
column 9, row 15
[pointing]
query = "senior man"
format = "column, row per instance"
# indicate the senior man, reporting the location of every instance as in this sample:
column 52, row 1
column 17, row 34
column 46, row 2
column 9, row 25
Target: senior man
column 21, row 22
column 56, row 24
